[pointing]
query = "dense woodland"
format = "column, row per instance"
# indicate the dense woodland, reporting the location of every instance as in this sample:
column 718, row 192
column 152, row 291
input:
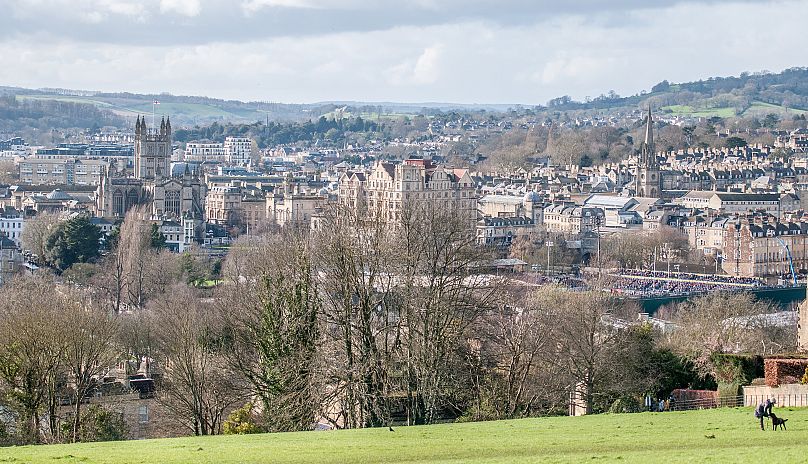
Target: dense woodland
column 334, row 132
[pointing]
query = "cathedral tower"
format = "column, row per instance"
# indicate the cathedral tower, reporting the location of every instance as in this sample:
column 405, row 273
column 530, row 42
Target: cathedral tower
column 152, row 150
column 648, row 181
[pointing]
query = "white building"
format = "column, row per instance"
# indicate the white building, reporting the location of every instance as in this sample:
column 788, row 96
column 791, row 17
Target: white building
column 237, row 150
column 199, row 151
column 11, row 225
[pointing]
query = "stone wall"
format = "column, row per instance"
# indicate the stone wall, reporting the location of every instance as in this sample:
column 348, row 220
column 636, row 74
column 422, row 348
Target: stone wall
column 786, row 395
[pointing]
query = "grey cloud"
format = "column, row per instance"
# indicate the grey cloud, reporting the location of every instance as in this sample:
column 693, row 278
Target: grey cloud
column 110, row 21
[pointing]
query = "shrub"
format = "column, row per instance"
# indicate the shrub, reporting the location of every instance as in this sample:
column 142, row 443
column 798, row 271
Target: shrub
column 625, row 404
column 99, row 424
column 242, row 421
column 736, row 368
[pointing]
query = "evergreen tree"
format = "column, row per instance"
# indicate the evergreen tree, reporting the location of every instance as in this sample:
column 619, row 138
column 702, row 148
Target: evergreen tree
column 74, row 241
column 156, row 238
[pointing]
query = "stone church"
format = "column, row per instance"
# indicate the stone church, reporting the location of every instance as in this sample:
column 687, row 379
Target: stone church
column 171, row 197
column 648, row 180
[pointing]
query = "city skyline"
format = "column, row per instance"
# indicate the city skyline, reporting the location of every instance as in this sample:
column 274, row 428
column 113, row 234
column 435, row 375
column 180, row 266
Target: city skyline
column 301, row 51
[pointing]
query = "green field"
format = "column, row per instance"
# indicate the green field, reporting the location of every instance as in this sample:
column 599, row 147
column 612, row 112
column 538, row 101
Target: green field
column 687, row 110
column 186, row 112
column 759, row 108
column 715, row 436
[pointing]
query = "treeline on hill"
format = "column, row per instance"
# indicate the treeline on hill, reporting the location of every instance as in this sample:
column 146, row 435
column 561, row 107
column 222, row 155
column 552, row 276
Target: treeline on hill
column 45, row 115
column 324, row 129
column 788, row 88
column 274, row 110
column 354, row 325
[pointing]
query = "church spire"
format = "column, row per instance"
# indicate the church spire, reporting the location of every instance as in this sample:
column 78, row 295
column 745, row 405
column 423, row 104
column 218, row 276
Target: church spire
column 649, row 131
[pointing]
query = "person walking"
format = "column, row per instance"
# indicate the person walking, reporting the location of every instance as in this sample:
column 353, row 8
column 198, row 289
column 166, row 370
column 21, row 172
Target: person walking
column 764, row 409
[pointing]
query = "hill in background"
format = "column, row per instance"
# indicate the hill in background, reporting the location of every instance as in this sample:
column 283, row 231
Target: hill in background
column 747, row 95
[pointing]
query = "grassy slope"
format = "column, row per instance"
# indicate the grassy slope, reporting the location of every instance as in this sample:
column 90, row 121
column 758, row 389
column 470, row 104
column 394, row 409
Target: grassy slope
column 647, row 437
column 757, row 108
column 179, row 111
column 687, row 110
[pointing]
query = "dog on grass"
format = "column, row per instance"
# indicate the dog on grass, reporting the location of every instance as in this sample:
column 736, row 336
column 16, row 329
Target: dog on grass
column 776, row 421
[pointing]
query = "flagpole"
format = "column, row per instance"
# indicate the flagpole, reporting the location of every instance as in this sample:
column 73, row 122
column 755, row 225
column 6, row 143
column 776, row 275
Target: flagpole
column 152, row 115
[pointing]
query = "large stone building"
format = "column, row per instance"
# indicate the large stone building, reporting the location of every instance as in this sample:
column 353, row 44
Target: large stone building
column 570, row 220
column 734, row 203
column 389, row 189
column 170, row 197
column 764, row 247
column 294, row 205
column 37, row 170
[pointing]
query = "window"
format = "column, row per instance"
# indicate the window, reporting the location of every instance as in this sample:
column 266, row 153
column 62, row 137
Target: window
column 172, row 203
column 117, row 203
column 143, row 414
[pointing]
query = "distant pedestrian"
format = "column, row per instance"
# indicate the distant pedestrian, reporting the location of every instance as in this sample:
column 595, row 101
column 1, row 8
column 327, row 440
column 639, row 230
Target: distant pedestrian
column 764, row 409
column 661, row 405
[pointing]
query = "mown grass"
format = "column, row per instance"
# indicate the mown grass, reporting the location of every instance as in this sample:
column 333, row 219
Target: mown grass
column 715, row 436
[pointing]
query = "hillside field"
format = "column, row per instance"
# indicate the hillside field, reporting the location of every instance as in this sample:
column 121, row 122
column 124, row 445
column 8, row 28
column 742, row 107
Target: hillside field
column 715, row 436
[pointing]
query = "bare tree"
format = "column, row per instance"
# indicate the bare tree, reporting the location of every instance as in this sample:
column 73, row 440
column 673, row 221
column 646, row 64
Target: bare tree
column 518, row 334
column 32, row 350
column 134, row 271
column 90, row 348
column 354, row 258
column 722, row 323
column 197, row 388
column 439, row 300
column 641, row 250
column 582, row 334
column 37, row 231
column 270, row 318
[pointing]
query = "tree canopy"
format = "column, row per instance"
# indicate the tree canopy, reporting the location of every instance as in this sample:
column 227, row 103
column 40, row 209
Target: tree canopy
column 74, row 241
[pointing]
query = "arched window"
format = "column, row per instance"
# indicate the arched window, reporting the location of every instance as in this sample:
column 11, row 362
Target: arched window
column 132, row 199
column 117, row 204
column 172, row 203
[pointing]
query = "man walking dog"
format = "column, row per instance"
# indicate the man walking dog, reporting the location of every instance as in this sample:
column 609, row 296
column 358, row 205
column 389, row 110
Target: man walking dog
column 763, row 410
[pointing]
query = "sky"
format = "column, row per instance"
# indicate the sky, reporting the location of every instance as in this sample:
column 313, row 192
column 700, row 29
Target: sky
column 459, row 51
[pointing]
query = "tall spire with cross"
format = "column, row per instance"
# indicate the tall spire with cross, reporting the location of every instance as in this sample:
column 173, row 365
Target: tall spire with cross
column 648, row 151
column 648, row 179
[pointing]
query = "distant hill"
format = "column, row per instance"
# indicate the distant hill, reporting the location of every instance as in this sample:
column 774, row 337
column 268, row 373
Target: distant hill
column 184, row 110
column 750, row 94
